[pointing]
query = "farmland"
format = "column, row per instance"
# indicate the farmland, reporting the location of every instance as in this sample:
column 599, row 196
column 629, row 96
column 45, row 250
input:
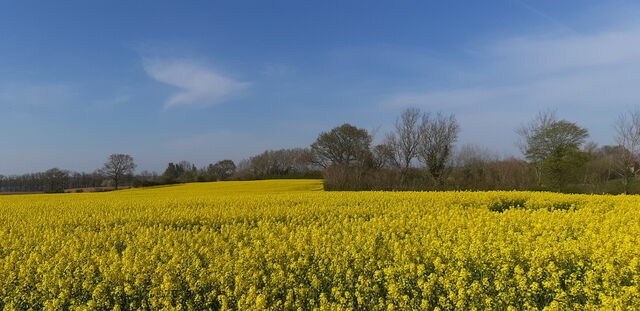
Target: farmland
column 287, row 245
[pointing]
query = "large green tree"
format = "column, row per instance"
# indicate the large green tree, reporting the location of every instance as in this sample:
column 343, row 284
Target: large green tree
column 345, row 145
column 554, row 139
column 221, row 170
column 553, row 146
column 564, row 166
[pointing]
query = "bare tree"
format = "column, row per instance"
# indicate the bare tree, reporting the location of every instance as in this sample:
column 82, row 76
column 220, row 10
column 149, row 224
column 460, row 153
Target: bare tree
column 628, row 136
column 405, row 141
column 528, row 131
column 437, row 136
column 473, row 155
column 606, row 163
column 118, row 167
column 384, row 156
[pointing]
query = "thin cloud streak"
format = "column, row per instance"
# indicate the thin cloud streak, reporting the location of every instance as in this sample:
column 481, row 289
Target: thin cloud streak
column 554, row 70
column 200, row 86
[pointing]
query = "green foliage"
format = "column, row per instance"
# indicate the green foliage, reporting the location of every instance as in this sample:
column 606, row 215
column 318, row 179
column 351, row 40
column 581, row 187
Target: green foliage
column 563, row 166
column 221, row 170
column 56, row 180
column 171, row 174
column 345, row 145
column 555, row 138
column 553, row 147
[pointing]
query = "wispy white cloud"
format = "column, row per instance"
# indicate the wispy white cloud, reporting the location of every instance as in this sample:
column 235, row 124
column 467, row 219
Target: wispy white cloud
column 544, row 15
column 589, row 76
column 613, row 87
column 448, row 98
column 551, row 69
column 547, row 54
column 200, row 86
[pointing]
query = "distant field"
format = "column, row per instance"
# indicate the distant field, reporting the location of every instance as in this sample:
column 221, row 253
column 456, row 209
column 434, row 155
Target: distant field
column 94, row 189
column 72, row 190
column 287, row 245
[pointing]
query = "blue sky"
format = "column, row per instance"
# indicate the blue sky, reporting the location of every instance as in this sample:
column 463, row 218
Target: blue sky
column 204, row 80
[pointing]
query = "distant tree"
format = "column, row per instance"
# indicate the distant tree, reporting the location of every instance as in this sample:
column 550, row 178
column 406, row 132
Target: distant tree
column 345, row 145
column 221, row 170
column 118, row 167
column 542, row 121
column 280, row 163
column 183, row 171
column 171, row 173
column 564, row 166
column 187, row 172
column 557, row 137
column 471, row 165
column 591, row 148
column 473, row 155
column 185, row 166
column 405, row 140
column 55, row 180
column 146, row 178
column 384, row 156
column 553, row 146
column 628, row 136
column 512, row 174
column 437, row 135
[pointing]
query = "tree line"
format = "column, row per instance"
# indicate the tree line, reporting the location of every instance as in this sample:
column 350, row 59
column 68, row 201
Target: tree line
column 116, row 172
column 419, row 154
column 53, row 180
column 119, row 171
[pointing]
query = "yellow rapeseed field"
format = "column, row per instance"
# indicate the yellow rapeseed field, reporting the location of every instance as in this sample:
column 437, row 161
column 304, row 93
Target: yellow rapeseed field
column 287, row 245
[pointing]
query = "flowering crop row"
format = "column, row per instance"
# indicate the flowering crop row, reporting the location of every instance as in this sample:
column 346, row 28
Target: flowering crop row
column 284, row 245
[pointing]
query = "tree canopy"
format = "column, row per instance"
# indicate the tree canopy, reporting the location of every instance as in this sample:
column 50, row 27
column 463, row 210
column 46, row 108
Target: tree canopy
column 345, row 145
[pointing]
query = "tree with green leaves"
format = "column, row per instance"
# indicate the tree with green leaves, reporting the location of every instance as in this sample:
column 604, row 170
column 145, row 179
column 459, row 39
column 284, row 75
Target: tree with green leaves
column 345, row 145
column 55, row 180
column 553, row 146
column 221, row 170
column 564, row 166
